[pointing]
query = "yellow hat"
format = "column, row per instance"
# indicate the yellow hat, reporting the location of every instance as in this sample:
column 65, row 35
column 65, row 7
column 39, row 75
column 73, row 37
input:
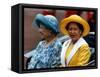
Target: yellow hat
column 74, row 18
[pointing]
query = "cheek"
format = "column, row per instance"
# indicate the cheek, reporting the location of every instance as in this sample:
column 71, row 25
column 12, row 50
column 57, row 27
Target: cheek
column 78, row 33
column 42, row 32
column 73, row 32
column 46, row 33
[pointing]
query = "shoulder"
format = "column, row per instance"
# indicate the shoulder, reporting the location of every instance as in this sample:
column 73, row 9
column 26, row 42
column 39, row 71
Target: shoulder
column 41, row 43
column 84, row 51
column 84, row 47
column 66, row 42
column 57, row 44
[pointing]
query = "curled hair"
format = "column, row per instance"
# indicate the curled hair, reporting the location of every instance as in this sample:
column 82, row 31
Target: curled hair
column 78, row 25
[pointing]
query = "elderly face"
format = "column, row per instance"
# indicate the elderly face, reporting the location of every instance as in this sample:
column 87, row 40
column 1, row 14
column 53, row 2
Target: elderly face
column 74, row 31
column 45, row 33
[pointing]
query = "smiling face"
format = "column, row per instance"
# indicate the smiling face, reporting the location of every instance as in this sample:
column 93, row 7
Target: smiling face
column 74, row 31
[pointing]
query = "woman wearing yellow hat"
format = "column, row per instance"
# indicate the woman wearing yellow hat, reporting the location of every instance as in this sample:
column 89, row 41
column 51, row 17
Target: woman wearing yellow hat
column 75, row 51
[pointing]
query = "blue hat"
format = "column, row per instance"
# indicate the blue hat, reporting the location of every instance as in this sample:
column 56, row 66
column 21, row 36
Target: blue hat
column 48, row 21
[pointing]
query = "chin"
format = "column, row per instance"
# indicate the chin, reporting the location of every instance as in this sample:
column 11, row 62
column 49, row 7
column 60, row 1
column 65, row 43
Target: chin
column 74, row 39
column 42, row 37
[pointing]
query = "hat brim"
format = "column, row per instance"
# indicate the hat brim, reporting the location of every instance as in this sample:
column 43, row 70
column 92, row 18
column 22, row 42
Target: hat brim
column 41, row 19
column 74, row 18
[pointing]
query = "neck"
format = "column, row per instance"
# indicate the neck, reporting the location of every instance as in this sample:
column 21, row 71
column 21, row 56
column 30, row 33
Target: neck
column 50, row 39
column 74, row 41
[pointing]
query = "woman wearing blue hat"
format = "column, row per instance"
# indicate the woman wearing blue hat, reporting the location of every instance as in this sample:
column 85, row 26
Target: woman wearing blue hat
column 47, row 52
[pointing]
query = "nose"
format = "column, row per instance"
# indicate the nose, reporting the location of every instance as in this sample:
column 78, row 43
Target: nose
column 72, row 31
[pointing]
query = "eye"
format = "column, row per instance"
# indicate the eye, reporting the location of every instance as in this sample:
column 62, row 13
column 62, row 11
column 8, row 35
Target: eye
column 70, row 28
column 42, row 27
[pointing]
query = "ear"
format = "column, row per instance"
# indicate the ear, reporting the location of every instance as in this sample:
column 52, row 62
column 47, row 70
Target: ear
column 80, row 32
column 49, row 31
